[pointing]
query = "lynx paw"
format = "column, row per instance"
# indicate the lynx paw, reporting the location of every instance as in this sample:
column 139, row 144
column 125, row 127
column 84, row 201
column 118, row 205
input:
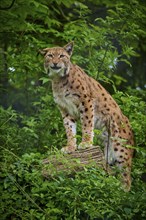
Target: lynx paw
column 84, row 145
column 68, row 149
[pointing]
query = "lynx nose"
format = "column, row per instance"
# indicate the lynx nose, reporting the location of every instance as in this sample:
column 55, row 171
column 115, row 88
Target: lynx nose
column 55, row 64
column 55, row 67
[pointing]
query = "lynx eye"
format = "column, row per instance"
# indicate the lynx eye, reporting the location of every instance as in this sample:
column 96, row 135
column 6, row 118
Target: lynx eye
column 50, row 55
column 62, row 55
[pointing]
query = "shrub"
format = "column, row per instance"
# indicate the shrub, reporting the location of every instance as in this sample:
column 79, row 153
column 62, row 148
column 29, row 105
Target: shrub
column 89, row 194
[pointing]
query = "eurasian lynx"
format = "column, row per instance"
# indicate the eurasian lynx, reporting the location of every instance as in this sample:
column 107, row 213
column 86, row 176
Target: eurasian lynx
column 80, row 96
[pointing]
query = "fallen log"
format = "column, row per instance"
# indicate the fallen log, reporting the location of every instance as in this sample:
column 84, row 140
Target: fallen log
column 73, row 162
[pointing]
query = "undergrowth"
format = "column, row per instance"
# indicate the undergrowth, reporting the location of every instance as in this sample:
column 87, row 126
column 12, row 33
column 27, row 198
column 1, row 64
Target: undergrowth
column 89, row 194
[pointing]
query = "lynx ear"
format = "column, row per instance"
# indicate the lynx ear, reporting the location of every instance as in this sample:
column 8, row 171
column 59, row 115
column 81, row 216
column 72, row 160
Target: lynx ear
column 69, row 48
column 43, row 51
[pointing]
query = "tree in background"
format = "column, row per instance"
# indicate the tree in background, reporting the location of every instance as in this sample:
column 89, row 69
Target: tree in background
column 109, row 42
column 109, row 45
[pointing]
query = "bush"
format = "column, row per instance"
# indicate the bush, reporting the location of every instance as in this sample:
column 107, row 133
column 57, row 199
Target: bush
column 110, row 45
column 89, row 194
column 21, row 133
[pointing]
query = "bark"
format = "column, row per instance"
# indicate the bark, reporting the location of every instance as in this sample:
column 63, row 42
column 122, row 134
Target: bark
column 74, row 162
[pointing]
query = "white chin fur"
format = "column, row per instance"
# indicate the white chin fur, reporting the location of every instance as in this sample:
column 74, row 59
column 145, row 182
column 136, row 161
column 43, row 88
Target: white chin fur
column 56, row 73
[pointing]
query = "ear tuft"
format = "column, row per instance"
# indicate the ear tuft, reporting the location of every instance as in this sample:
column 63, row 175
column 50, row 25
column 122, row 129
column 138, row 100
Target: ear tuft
column 43, row 51
column 69, row 48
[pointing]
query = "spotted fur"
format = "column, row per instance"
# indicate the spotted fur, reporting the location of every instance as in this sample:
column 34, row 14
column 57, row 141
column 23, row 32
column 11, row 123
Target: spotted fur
column 81, row 97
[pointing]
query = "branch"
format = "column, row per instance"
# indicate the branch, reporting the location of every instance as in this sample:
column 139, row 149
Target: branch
column 10, row 6
column 99, row 69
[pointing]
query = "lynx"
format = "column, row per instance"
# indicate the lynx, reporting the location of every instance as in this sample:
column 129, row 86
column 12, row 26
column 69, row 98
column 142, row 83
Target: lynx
column 81, row 97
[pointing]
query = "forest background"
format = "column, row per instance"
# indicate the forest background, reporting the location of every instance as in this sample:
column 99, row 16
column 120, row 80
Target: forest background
column 110, row 45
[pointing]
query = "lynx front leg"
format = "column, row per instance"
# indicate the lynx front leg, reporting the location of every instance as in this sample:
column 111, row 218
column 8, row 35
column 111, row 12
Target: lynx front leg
column 87, row 121
column 70, row 127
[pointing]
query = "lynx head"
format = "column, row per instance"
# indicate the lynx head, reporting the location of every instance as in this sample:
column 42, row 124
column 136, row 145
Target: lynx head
column 57, row 60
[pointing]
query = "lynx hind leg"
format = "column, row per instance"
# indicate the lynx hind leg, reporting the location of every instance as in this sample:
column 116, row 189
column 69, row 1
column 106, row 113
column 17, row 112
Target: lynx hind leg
column 126, row 179
column 125, row 169
column 123, row 160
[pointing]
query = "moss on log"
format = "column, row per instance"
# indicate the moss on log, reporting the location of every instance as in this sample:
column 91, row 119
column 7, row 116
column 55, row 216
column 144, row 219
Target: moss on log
column 74, row 162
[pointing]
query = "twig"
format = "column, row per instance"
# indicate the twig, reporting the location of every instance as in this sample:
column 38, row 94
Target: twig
column 8, row 7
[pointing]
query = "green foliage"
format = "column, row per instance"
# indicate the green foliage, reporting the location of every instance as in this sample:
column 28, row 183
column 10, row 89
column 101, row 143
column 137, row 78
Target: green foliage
column 20, row 133
column 101, row 42
column 8, row 129
column 90, row 194
column 135, row 108
column 107, row 34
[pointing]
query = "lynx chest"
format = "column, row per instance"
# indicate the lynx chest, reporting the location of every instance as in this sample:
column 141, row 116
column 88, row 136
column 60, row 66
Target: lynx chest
column 67, row 100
